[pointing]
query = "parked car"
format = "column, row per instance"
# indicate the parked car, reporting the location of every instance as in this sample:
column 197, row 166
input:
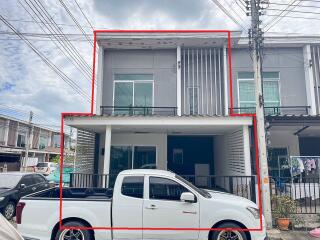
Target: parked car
column 7, row 230
column 45, row 168
column 14, row 185
column 143, row 198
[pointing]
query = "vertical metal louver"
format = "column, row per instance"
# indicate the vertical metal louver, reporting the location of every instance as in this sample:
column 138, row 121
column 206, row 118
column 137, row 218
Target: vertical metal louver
column 85, row 152
column 202, row 88
column 315, row 54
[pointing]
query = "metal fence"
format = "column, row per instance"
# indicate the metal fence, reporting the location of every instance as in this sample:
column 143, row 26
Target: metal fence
column 244, row 186
column 276, row 110
column 138, row 111
column 305, row 191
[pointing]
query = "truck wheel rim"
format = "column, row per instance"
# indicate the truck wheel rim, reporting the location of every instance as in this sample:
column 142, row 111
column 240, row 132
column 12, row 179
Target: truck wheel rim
column 71, row 235
column 9, row 211
column 230, row 235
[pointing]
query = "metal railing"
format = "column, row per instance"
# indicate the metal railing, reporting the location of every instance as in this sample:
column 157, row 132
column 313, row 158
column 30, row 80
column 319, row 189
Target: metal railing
column 304, row 191
column 244, row 186
column 277, row 110
column 137, row 110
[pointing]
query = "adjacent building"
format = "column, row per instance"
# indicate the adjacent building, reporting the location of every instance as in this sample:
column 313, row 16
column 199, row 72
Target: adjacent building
column 44, row 143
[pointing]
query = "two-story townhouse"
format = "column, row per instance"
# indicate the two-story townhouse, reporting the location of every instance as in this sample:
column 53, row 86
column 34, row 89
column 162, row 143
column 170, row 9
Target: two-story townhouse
column 163, row 102
column 44, row 142
column 291, row 77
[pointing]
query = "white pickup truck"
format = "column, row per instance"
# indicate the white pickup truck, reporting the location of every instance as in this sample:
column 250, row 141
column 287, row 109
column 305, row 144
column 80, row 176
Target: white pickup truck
column 144, row 204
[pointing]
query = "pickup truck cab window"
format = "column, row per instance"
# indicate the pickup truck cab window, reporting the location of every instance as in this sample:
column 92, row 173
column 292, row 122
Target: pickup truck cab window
column 165, row 189
column 132, row 186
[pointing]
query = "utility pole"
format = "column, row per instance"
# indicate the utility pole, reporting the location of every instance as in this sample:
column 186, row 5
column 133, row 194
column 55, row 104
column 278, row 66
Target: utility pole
column 256, row 45
column 24, row 164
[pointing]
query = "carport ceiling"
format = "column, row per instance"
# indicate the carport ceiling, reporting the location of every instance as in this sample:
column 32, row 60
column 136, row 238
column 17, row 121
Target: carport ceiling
column 178, row 130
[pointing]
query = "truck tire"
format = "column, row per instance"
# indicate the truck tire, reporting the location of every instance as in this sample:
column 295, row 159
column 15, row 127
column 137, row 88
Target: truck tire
column 9, row 210
column 76, row 234
column 226, row 235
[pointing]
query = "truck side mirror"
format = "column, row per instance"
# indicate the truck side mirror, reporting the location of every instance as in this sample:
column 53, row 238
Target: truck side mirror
column 22, row 186
column 188, row 197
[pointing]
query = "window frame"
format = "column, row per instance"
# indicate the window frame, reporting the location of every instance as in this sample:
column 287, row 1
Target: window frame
column 252, row 80
column 143, row 186
column 147, row 184
column 132, row 146
column 133, row 86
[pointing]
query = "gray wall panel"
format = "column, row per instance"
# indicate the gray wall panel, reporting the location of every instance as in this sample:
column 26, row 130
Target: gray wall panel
column 287, row 61
column 160, row 63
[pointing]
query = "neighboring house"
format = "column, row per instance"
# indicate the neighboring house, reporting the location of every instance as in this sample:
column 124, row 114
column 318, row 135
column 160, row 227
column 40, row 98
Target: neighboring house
column 163, row 101
column 44, row 142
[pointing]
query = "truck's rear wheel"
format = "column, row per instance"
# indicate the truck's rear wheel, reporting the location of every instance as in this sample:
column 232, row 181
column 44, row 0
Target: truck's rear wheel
column 74, row 234
column 228, row 234
column 9, row 210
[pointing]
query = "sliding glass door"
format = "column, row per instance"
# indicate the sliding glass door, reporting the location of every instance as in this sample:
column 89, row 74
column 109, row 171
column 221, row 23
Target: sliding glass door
column 133, row 94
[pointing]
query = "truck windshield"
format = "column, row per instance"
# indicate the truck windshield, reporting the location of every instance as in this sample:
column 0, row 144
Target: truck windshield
column 202, row 192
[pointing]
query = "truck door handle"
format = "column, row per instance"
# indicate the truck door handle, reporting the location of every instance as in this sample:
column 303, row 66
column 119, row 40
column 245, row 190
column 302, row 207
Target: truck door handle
column 34, row 188
column 151, row 206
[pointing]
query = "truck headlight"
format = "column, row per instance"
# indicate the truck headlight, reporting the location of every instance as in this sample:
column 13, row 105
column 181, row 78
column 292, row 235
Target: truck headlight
column 254, row 211
column 1, row 198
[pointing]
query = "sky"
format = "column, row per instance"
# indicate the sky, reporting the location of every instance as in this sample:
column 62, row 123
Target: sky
column 28, row 84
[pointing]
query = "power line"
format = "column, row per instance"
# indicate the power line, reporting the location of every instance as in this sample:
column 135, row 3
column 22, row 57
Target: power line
column 84, row 14
column 33, row 21
column 62, row 75
column 55, row 33
column 277, row 19
column 294, row 17
column 293, row 11
column 228, row 14
column 301, row 6
column 75, row 21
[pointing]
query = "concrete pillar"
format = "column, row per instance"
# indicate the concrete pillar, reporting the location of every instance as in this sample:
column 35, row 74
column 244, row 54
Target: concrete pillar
column 179, row 81
column 225, row 81
column 107, row 150
column 107, row 153
column 99, row 80
column 309, row 79
column 6, row 132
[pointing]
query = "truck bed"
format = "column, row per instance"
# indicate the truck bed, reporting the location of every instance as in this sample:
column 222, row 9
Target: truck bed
column 72, row 193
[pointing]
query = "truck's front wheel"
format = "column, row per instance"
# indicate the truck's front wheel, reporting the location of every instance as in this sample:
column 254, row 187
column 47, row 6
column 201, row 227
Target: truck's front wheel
column 75, row 234
column 228, row 234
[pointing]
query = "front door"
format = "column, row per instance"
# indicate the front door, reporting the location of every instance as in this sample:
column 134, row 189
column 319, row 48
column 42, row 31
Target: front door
column 162, row 208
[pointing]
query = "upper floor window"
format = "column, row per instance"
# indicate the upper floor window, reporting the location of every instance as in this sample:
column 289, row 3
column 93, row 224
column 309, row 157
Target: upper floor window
column 271, row 92
column 22, row 135
column 133, row 94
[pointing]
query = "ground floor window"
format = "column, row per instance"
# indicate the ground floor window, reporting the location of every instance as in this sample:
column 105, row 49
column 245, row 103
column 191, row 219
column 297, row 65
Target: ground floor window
column 132, row 157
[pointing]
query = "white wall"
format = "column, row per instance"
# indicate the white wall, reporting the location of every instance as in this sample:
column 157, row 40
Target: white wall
column 285, row 139
column 158, row 140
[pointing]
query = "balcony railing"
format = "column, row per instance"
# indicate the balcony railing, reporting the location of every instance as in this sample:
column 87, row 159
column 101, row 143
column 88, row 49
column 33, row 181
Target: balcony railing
column 137, row 110
column 278, row 110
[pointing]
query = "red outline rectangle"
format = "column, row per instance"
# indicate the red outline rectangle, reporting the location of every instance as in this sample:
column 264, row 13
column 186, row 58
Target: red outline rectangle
column 232, row 114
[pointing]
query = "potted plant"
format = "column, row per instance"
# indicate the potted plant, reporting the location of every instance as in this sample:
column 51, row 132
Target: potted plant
column 283, row 207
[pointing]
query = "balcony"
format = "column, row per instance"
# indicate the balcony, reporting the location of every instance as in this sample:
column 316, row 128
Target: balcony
column 277, row 110
column 137, row 111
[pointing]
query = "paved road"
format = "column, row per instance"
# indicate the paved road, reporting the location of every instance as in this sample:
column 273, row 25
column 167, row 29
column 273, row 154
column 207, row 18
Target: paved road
column 290, row 235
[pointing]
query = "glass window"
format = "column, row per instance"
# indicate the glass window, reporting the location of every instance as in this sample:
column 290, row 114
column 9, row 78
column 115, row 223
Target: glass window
column 133, row 90
column 121, row 159
column 270, row 91
column 38, row 179
column 132, row 187
column 144, row 157
column 27, row 180
column 21, row 141
column 128, row 77
column 165, row 189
